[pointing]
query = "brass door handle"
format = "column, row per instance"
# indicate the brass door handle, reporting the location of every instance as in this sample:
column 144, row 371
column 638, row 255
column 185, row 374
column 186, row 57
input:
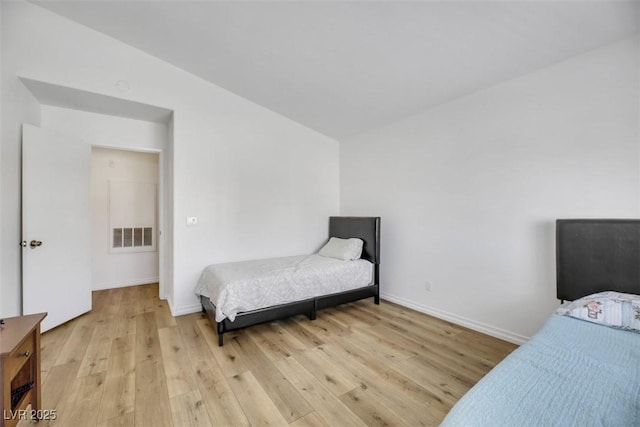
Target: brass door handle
column 35, row 243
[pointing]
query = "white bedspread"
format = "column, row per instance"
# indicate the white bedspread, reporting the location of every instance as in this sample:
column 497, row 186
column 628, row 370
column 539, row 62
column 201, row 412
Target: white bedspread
column 249, row 285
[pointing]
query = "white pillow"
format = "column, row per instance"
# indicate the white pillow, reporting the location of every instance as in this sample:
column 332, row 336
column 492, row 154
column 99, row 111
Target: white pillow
column 344, row 249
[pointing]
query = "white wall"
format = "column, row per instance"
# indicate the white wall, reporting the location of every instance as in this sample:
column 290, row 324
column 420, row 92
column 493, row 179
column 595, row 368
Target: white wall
column 112, row 270
column 1, row 109
column 260, row 184
column 1, row 105
column 167, row 234
column 104, row 130
column 18, row 106
column 469, row 191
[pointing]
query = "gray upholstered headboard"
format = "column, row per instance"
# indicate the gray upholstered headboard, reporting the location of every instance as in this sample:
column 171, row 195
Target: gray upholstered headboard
column 594, row 255
column 366, row 228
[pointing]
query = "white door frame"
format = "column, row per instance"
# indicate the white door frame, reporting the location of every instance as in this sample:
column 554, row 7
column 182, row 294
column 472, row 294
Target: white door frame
column 161, row 207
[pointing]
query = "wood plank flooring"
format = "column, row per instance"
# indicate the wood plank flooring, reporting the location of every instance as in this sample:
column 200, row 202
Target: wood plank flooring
column 129, row 363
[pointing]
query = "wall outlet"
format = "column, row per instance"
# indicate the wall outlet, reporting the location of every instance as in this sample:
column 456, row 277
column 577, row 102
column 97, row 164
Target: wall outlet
column 427, row 286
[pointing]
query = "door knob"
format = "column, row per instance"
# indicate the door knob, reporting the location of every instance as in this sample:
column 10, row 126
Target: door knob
column 35, row 243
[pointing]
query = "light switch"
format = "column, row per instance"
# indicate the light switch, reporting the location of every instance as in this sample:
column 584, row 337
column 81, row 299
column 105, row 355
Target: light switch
column 192, row 221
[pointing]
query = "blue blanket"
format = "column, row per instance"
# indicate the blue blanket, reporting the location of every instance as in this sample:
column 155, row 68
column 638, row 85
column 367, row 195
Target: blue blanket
column 571, row 373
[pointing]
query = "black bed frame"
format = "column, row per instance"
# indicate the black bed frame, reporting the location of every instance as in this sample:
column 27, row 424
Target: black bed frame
column 365, row 228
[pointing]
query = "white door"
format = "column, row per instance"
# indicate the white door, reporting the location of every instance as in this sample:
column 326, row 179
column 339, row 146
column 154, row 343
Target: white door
column 56, row 225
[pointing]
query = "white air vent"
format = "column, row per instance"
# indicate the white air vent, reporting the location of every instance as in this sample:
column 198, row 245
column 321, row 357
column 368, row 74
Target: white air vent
column 132, row 237
column 133, row 216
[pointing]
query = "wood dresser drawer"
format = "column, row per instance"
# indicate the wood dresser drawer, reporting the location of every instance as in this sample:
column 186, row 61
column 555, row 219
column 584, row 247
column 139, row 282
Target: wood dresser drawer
column 19, row 367
column 19, row 357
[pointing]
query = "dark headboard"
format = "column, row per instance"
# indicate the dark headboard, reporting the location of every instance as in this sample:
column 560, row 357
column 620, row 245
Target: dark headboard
column 366, row 228
column 594, row 255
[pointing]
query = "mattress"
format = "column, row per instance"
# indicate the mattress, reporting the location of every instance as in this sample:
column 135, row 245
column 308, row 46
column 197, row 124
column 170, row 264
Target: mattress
column 250, row 285
column 571, row 373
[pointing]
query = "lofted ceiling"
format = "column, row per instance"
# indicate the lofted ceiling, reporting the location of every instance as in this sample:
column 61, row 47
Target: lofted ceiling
column 343, row 67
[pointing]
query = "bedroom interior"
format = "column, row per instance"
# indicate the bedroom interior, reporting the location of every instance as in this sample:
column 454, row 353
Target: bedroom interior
column 467, row 128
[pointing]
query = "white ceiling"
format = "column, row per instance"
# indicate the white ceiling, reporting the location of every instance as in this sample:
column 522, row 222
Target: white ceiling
column 344, row 67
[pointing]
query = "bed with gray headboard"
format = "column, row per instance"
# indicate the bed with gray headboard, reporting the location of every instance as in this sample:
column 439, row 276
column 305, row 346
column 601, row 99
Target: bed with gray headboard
column 582, row 367
column 366, row 229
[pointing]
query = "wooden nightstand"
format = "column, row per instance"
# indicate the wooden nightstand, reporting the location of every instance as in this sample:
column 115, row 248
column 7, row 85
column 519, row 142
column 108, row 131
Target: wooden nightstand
column 20, row 367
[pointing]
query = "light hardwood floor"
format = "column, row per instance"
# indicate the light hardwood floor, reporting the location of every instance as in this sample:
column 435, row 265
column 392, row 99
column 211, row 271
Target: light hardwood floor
column 129, row 363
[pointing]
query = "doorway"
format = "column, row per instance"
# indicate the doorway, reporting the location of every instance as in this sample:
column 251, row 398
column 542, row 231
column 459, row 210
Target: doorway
column 96, row 120
column 125, row 217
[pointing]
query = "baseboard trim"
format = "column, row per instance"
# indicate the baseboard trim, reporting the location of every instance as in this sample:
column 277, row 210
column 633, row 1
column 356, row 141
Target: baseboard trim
column 185, row 309
column 441, row 314
column 458, row 320
column 146, row 281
